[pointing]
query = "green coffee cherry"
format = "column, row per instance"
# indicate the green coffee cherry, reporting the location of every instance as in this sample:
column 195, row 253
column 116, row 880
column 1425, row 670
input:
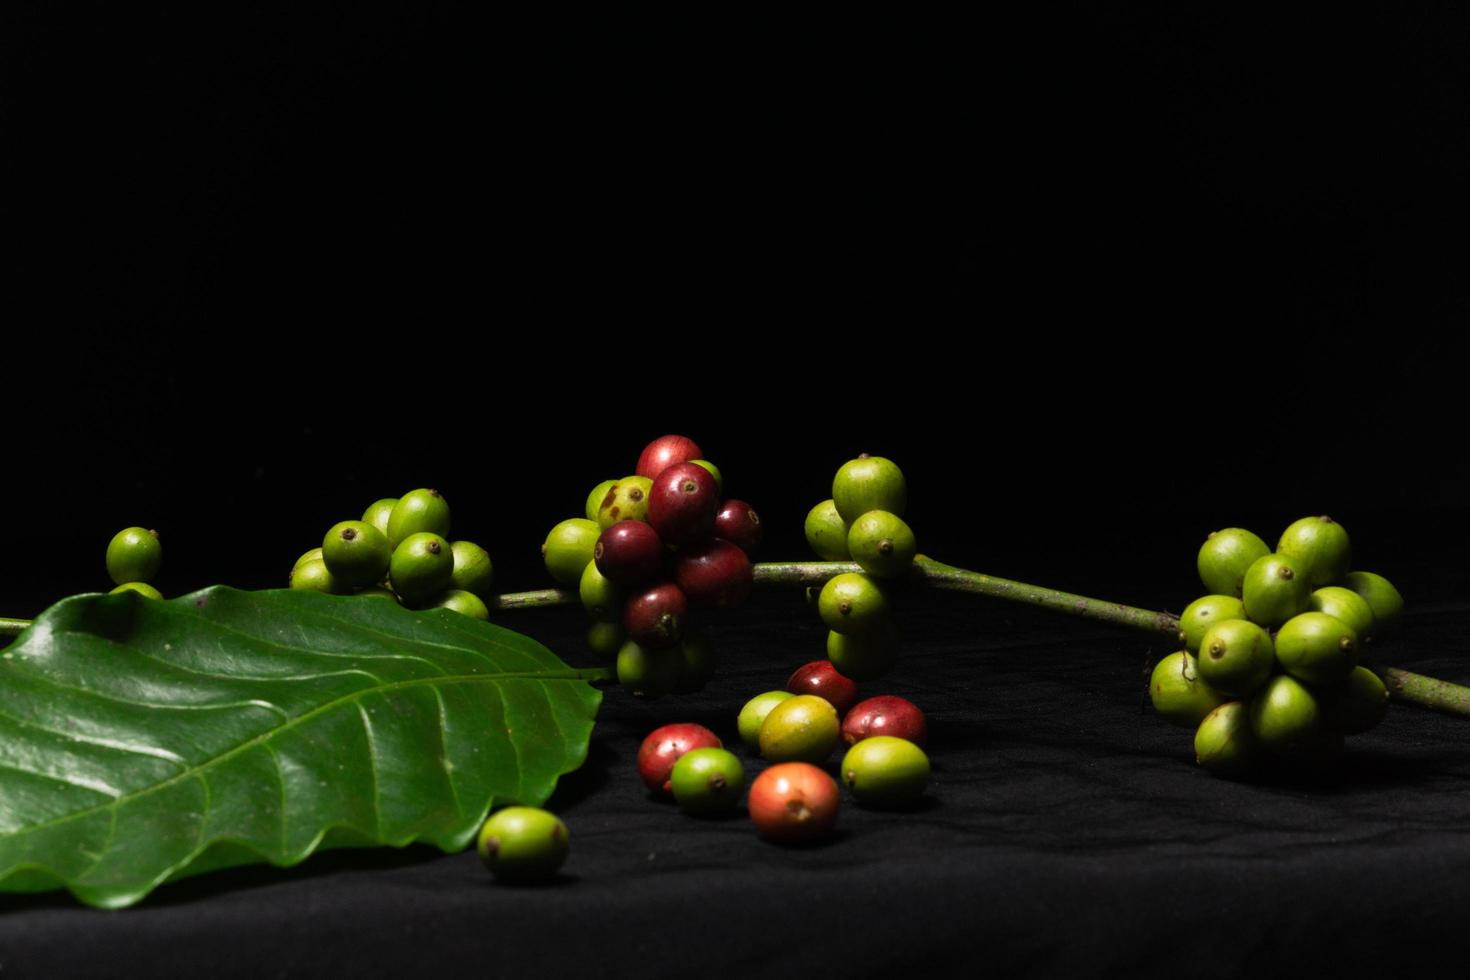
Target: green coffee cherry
column 356, row 553
column 133, row 555
column 1358, row 705
column 713, row 471
column 568, row 549
column 418, row 512
column 753, row 715
column 1320, row 547
column 600, row 597
column 649, row 673
column 473, row 570
column 1203, row 613
column 315, row 554
column 1381, row 597
column 377, row 592
column 313, row 575
column 707, row 780
column 1316, row 648
column 1275, row 590
column 852, row 603
column 627, row 501
column 1346, row 605
column 1284, row 713
column 422, row 566
column 863, row 656
column 882, row 544
column 379, row 512
column 596, row 497
column 606, row 638
column 1224, row 558
column 462, row 602
column 1224, row 744
column 886, row 772
column 696, row 664
column 826, row 532
column 1179, row 694
column 142, row 588
column 803, row 729
column 522, row 844
column 868, row 483
column 1236, row 657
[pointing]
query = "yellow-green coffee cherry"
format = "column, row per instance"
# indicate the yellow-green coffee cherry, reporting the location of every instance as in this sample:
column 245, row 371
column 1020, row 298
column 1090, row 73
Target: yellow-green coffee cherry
column 882, row 544
column 1359, row 704
column 1381, row 597
column 869, row 483
column 379, row 512
column 753, row 715
column 626, row 501
column 1224, row 558
column 142, row 588
column 1224, row 744
column 473, row 570
column 356, row 553
column 1205, row 612
column 606, row 638
column 649, row 673
column 1320, row 547
column 596, row 497
column 863, row 656
column 1317, row 648
column 1236, row 657
column 313, row 575
column 568, row 549
column 418, row 512
column 1346, row 605
column 1275, row 590
column 377, row 592
column 522, row 844
column 600, row 597
column 462, row 602
column 133, row 555
column 1284, row 713
column 885, row 772
column 803, row 729
column 707, row 780
column 315, row 554
column 713, row 471
column 422, row 567
column 1178, row 693
column 826, row 532
column 852, row 603
column 696, row 664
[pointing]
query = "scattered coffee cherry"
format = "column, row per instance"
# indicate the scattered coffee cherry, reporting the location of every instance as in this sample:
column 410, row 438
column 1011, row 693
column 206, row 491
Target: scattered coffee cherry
column 664, row 746
column 142, row 588
column 568, row 549
column 522, row 844
column 707, row 780
column 793, row 802
column 822, row 679
column 418, row 511
column 826, row 532
column 666, row 451
column 356, row 553
column 753, row 715
column 803, row 729
column 887, row 772
column 885, row 714
column 133, row 555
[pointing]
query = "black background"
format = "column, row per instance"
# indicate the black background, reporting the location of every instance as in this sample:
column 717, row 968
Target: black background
column 1100, row 278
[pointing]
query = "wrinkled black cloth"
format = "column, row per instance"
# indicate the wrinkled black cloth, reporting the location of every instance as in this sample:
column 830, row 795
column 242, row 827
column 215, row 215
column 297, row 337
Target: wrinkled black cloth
column 1066, row 830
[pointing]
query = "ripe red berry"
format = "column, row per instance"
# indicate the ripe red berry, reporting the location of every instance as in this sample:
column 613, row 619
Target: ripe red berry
column 716, row 573
column 682, row 504
column 665, row 746
column 655, row 618
column 666, row 451
column 792, row 802
column 629, row 553
column 820, row 678
column 885, row 715
column 738, row 523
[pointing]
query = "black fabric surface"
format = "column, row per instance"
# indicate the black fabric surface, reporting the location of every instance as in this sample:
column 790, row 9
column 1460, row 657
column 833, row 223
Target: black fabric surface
column 1066, row 830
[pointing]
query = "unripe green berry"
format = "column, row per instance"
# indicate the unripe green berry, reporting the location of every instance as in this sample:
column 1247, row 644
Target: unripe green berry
column 1203, row 613
column 1236, row 657
column 142, row 588
column 863, row 656
column 356, row 553
column 626, row 501
column 707, row 780
column 852, row 603
column 473, row 570
column 379, row 512
column 606, row 638
column 826, row 532
column 1275, row 590
column 1346, row 605
column 315, row 554
column 1359, row 704
column 1179, row 694
column 869, row 483
column 422, row 566
column 523, row 844
column 803, row 729
column 882, row 544
column 600, row 597
column 1284, row 713
column 377, row 592
column 1224, row 744
column 133, row 555
column 418, row 512
column 1317, row 648
column 696, row 664
column 597, row 496
column 713, row 471
column 314, row 575
column 568, row 549
column 753, row 715
column 649, row 673
column 462, row 602
column 1320, row 547
column 883, row 771
column 1381, row 597
column 1224, row 558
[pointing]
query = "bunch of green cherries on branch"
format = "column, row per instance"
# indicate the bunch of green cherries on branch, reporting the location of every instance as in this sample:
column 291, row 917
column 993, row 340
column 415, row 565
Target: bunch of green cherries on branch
column 1270, row 666
column 400, row 551
column 651, row 547
column 862, row 522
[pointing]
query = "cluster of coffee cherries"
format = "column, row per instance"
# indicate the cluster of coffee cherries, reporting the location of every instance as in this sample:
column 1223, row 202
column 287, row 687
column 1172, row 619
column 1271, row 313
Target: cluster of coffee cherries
column 794, row 799
column 651, row 546
column 523, row 844
column 1270, row 664
column 400, row 551
column 133, row 558
column 862, row 522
